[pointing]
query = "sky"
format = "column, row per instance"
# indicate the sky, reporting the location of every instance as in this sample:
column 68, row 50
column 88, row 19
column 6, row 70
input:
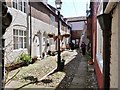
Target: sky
column 72, row 8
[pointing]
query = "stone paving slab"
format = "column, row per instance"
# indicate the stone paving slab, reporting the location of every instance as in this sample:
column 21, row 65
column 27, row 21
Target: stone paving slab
column 79, row 80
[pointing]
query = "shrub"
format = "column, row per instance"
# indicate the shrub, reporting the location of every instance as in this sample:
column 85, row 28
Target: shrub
column 25, row 58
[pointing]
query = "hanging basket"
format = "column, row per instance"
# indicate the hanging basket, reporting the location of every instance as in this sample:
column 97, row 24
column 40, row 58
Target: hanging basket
column 55, row 37
column 50, row 35
column 66, row 35
column 61, row 37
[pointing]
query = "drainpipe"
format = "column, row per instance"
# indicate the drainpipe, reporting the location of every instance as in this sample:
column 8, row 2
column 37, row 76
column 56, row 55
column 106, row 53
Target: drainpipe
column 28, row 13
column 71, row 33
column 91, row 39
column 30, row 32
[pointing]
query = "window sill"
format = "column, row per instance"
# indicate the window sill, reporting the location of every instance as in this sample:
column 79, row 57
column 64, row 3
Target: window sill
column 21, row 49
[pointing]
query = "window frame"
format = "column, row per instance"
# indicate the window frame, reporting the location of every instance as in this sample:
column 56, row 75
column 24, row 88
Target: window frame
column 99, row 54
column 21, row 44
column 24, row 6
column 14, row 3
column 20, row 5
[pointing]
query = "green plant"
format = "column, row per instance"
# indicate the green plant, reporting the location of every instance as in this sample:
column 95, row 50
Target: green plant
column 25, row 58
column 88, row 56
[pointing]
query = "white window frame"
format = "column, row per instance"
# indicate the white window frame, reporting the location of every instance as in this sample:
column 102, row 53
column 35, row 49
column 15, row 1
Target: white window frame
column 52, row 21
column 25, row 6
column 14, row 3
column 20, row 5
column 23, row 44
column 99, row 54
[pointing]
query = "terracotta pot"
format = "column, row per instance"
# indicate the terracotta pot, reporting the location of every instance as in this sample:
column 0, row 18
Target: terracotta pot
column 90, row 62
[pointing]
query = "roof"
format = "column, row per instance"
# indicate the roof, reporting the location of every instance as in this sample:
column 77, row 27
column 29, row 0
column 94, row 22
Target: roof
column 73, row 19
column 50, row 8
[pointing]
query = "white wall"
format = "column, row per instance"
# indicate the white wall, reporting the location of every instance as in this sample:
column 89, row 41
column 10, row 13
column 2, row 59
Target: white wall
column 115, row 48
column 19, row 22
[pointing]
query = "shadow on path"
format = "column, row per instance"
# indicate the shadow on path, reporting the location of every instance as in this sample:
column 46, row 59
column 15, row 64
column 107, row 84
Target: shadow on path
column 70, row 70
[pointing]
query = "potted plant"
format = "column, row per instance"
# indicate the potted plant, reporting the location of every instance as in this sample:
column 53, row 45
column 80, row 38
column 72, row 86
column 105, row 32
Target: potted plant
column 90, row 61
column 25, row 58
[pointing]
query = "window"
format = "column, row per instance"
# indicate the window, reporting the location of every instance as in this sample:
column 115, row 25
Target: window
column 15, row 4
column 20, row 5
column 52, row 21
column 19, row 39
column 25, row 7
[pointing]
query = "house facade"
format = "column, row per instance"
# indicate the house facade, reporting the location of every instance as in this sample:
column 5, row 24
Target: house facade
column 78, row 29
column 105, row 40
column 96, row 38
column 30, row 29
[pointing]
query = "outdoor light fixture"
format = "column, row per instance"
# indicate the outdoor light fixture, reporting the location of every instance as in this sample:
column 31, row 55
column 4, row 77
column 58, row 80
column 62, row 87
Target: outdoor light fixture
column 60, row 64
column 104, row 21
column 58, row 4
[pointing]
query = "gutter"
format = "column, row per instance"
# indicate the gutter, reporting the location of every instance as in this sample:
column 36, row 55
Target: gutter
column 111, row 4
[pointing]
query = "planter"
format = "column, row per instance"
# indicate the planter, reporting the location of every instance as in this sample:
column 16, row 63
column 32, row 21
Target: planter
column 34, row 59
column 14, row 66
column 50, row 35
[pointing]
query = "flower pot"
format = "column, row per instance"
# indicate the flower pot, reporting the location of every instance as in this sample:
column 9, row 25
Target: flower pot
column 90, row 62
column 14, row 66
column 34, row 59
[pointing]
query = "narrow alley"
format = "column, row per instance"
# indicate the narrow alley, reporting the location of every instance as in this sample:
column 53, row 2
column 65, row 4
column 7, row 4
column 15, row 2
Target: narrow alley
column 76, row 74
column 59, row 44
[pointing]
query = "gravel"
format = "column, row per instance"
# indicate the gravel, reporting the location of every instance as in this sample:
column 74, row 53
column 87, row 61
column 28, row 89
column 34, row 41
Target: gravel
column 91, row 81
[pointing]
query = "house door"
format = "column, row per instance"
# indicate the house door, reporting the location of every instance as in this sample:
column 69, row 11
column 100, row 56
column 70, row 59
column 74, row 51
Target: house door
column 36, row 47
